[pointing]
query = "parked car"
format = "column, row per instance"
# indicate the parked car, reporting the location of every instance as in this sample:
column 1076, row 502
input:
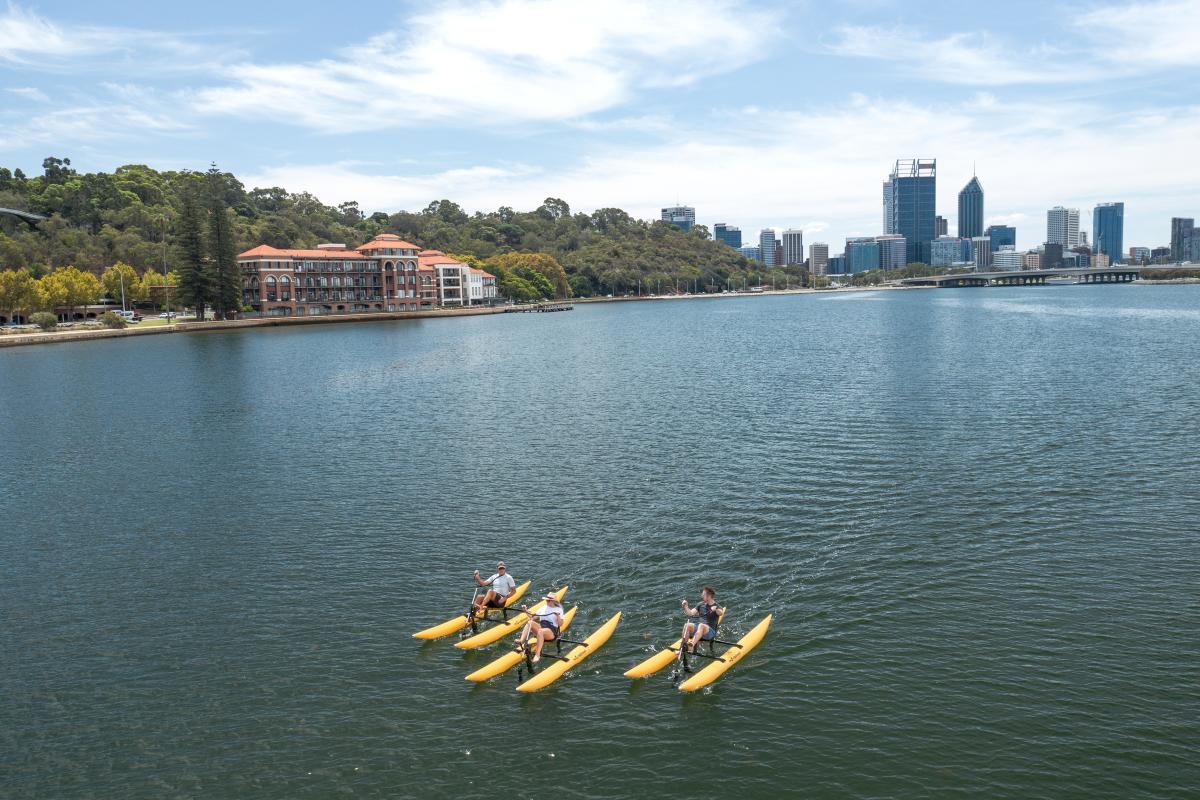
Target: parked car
column 168, row 315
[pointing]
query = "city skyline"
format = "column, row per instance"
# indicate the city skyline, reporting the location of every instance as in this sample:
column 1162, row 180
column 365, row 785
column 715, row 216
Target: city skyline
column 619, row 103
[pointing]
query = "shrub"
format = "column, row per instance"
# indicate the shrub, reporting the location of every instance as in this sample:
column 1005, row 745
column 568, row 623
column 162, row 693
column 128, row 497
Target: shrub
column 110, row 320
column 44, row 320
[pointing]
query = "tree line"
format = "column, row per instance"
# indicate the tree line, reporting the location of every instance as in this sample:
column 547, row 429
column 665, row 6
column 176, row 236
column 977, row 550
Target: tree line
column 192, row 225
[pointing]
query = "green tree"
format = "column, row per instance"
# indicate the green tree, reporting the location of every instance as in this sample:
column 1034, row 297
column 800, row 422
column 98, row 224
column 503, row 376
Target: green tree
column 223, row 271
column 70, row 287
column 18, row 292
column 195, row 287
column 121, row 280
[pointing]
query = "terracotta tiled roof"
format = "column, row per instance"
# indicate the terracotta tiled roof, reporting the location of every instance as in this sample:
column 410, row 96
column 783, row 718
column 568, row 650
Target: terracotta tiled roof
column 266, row 251
column 388, row 241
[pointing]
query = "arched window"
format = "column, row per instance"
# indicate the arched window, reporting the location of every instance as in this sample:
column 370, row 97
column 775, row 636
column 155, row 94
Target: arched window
column 270, row 281
column 285, row 280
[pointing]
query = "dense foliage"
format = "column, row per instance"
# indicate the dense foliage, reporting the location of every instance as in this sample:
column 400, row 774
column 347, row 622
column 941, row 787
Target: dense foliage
column 188, row 223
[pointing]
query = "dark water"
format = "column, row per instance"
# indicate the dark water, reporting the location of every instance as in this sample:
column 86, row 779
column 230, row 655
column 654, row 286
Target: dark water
column 974, row 514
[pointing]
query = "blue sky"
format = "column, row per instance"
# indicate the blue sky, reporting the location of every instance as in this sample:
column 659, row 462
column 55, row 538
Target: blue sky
column 759, row 114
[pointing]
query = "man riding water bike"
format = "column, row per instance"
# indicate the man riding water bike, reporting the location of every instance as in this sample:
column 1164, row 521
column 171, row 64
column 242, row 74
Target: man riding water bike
column 502, row 586
column 705, row 628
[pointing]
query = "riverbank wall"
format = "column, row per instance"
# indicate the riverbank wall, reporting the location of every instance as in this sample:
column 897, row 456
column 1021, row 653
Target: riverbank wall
column 51, row 337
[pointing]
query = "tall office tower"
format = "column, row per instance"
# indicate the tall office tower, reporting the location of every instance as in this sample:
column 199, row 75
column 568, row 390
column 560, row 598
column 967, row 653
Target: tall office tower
column 1108, row 230
column 1052, row 256
column 1002, row 236
column 1182, row 229
column 914, row 205
column 892, row 251
column 683, row 217
column 970, row 210
column 818, row 258
column 941, row 227
column 889, row 210
column 1062, row 226
column 766, row 245
column 729, row 234
column 981, row 252
column 793, row 246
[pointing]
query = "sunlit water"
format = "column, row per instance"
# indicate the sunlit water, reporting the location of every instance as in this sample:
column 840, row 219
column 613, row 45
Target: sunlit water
column 974, row 514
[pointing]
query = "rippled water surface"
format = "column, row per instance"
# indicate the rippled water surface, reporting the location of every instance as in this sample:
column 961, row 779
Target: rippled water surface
column 974, row 514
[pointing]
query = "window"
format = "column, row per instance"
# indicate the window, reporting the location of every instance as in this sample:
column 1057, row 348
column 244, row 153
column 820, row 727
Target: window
column 270, row 282
column 285, row 280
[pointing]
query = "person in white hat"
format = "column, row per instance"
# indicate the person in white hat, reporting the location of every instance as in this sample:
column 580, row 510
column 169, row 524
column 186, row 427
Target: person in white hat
column 543, row 625
column 502, row 585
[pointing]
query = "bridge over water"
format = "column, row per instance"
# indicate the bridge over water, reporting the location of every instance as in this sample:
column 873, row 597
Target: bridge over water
column 1031, row 277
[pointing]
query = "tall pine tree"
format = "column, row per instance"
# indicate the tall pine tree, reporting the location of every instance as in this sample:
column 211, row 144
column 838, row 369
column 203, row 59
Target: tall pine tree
column 223, row 272
column 194, row 285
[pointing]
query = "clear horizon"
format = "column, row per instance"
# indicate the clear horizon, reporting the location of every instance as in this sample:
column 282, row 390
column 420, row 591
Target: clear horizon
column 782, row 115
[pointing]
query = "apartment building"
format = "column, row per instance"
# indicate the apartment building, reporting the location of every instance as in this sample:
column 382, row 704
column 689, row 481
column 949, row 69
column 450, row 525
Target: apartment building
column 385, row 274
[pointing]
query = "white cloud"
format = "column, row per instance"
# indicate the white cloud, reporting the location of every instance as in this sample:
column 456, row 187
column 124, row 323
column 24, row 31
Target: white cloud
column 81, row 124
column 31, row 93
column 1111, row 41
column 977, row 59
column 1155, row 33
column 32, row 41
column 501, row 63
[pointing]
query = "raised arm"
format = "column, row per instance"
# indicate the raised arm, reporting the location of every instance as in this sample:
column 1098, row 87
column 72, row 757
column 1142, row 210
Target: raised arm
column 480, row 580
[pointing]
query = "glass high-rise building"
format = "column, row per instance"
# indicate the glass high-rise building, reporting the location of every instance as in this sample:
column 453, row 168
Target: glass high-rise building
column 889, row 210
column 728, row 234
column 766, row 246
column 751, row 252
column 941, row 227
column 1062, row 226
column 1108, row 231
column 862, row 254
column 947, row 250
column 892, row 251
column 970, row 210
column 1182, row 230
column 913, row 193
column 683, row 217
column 1002, row 236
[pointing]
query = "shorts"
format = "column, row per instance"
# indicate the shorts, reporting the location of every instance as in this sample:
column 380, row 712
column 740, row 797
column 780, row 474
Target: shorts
column 496, row 602
column 546, row 626
column 710, row 634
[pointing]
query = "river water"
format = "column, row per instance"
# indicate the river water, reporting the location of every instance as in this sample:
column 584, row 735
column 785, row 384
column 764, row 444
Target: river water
column 973, row 513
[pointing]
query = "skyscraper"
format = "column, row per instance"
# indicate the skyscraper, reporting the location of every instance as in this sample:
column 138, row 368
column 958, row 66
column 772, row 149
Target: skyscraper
column 1062, row 226
column 1108, row 230
column 793, row 246
column 728, row 234
column 941, row 227
column 1182, row 230
column 970, row 210
column 818, row 258
column 1002, row 236
column 914, row 205
column 889, row 210
column 683, row 217
column 766, row 246
column 892, row 251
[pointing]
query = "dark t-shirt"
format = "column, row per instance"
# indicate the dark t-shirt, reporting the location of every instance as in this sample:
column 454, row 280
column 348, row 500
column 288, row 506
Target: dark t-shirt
column 709, row 614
